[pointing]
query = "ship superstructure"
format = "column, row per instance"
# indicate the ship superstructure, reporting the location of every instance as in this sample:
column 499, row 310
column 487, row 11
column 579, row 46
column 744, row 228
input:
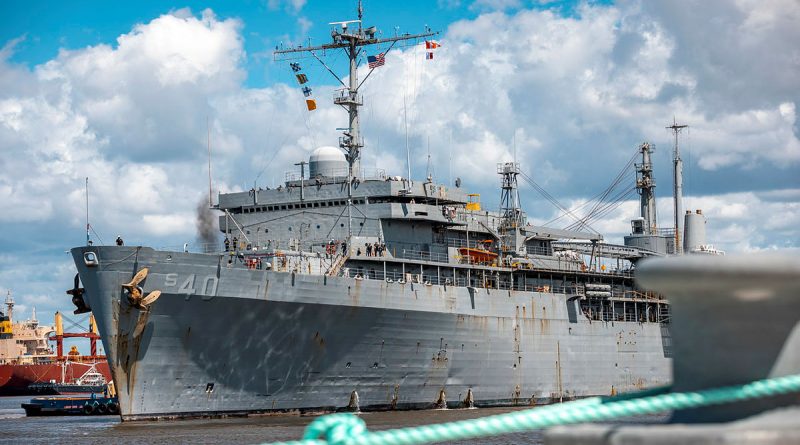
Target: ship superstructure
column 25, row 341
column 352, row 289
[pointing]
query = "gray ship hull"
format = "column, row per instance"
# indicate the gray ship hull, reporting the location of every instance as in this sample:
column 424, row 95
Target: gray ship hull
column 223, row 341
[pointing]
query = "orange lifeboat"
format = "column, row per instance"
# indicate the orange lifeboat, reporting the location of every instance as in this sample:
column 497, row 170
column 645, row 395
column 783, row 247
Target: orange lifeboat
column 478, row 256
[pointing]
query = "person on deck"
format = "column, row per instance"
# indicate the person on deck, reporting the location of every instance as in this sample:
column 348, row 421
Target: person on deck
column 119, row 240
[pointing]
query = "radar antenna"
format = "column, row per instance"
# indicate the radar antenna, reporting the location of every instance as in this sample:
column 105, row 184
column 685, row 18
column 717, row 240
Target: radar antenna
column 352, row 42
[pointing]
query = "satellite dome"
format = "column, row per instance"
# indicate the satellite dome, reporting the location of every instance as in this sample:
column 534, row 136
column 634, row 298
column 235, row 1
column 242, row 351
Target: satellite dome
column 327, row 161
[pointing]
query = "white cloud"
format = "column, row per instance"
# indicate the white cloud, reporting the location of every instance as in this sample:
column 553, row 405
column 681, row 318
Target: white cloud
column 494, row 5
column 291, row 6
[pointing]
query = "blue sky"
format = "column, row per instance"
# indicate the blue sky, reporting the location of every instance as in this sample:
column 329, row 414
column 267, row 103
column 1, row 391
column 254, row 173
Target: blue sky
column 49, row 26
column 122, row 93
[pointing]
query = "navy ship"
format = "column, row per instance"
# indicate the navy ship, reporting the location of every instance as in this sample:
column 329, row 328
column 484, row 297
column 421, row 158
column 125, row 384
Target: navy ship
column 345, row 288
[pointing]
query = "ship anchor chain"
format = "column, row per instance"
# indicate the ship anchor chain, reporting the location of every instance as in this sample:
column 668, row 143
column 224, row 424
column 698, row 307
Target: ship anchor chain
column 135, row 293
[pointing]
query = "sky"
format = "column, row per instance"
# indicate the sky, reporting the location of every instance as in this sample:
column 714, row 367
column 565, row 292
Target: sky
column 129, row 94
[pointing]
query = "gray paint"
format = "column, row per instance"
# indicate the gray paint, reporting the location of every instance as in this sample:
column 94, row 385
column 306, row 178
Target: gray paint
column 272, row 340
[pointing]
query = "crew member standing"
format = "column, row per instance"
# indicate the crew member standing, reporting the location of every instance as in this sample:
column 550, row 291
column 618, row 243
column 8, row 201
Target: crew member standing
column 119, row 240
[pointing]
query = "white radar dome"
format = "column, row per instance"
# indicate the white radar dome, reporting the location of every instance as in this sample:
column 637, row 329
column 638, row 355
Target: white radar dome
column 327, row 161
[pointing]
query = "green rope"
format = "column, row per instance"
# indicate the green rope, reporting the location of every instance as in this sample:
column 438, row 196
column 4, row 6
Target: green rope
column 348, row 429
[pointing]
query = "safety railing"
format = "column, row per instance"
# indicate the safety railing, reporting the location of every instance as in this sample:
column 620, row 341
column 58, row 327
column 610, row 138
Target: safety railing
column 339, row 175
column 477, row 281
column 421, row 255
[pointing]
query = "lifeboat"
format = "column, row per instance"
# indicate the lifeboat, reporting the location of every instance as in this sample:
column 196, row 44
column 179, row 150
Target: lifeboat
column 478, row 256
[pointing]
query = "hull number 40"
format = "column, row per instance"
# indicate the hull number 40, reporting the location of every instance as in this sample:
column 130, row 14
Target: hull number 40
column 191, row 285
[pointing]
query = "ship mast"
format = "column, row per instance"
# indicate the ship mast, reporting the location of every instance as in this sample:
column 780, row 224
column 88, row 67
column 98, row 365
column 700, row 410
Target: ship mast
column 510, row 211
column 10, row 305
column 352, row 42
column 646, row 186
column 677, row 183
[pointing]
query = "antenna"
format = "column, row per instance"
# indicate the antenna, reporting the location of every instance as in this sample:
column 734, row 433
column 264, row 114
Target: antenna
column 88, row 242
column 352, row 43
column 450, row 158
column 677, row 178
column 428, row 173
column 208, row 131
column 408, row 149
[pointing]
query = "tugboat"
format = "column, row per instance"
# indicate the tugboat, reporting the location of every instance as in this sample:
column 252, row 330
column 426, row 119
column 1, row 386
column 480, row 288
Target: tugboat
column 105, row 404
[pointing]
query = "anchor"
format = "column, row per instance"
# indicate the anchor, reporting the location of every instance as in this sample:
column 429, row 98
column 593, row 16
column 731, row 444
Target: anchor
column 135, row 292
column 77, row 297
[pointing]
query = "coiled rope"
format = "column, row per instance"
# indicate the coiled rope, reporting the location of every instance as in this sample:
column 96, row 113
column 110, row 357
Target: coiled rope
column 349, row 429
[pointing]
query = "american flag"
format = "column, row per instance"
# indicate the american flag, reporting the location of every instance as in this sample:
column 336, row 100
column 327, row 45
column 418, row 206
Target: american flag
column 376, row 61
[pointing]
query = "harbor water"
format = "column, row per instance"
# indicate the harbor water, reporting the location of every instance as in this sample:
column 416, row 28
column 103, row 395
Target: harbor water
column 15, row 428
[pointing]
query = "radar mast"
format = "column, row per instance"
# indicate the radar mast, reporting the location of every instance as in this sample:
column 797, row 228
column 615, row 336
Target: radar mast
column 352, row 41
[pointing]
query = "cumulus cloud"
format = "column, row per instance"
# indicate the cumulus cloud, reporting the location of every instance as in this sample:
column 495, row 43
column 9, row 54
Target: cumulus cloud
column 570, row 97
column 292, row 6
